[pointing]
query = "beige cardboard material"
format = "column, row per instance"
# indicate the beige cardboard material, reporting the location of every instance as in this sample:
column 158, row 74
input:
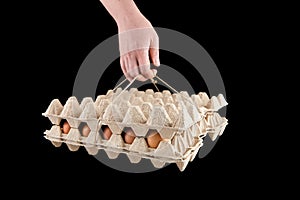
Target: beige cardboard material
column 112, row 154
column 157, row 163
column 134, row 158
column 182, row 120
column 91, row 150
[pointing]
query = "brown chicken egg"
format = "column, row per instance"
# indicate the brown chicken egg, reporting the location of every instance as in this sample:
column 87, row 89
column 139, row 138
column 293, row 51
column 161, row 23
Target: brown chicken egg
column 107, row 133
column 66, row 127
column 129, row 136
column 85, row 130
column 153, row 139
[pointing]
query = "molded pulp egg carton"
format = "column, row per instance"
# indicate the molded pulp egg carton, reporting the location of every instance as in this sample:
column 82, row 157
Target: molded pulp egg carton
column 181, row 120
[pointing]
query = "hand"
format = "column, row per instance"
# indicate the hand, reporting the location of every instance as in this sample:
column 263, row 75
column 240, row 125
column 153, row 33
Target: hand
column 138, row 48
column 138, row 41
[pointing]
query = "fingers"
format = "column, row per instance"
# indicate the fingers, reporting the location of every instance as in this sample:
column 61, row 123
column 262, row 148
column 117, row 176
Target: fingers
column 137, row 63
column 123, row 67
column 144, row 63
column 154, row 50
column 141, row 78
column 146, row 72
column 137, row 48
column 129, row 65
column 154, row 55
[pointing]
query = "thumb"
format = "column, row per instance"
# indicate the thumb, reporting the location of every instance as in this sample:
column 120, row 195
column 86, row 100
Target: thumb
column 154, row 55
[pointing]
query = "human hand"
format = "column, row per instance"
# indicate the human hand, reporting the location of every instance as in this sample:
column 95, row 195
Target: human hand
column 138, row 41
column 138, row 48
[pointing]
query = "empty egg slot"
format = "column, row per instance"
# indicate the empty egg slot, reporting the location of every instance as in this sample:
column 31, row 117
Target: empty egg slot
column 84, row 129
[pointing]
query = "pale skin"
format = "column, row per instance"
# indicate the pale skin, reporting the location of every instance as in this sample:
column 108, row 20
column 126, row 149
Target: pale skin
column 128, row 17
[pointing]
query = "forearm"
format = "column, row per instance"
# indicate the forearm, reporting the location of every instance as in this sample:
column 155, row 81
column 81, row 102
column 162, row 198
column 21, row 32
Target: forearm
column 126, row 14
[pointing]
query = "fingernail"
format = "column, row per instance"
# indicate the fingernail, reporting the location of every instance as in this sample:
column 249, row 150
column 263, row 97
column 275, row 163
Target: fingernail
column 157, row 62
column 154, row 72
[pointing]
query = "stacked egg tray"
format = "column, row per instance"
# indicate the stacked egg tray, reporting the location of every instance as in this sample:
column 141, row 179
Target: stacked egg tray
column 181, row 120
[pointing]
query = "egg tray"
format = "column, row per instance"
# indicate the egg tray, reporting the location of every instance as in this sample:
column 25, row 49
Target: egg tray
column 159, row 156
column 181, row 120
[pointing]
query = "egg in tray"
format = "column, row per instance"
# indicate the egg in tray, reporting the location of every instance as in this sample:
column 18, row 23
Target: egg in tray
column 160, row 126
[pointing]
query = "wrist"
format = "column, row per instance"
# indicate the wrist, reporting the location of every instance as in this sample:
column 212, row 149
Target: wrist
column 132, row 21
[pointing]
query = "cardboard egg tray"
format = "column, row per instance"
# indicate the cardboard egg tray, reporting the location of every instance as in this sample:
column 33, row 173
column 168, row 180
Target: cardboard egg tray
column 181, row 120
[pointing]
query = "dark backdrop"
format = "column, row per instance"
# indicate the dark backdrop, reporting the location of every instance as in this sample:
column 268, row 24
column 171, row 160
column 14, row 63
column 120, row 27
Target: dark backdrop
column 57, row 37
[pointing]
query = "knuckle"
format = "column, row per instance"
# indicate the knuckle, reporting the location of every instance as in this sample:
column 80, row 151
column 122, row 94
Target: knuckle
column 129, row 55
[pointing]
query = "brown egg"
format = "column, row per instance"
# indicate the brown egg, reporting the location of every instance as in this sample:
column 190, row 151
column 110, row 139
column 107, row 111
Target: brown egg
column 153, row 139
column 129, row 136
column 107, row 133
column 66, row 127
column 85, row 130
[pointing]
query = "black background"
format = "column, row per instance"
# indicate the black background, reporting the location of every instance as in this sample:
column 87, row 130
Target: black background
column 56, row 37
